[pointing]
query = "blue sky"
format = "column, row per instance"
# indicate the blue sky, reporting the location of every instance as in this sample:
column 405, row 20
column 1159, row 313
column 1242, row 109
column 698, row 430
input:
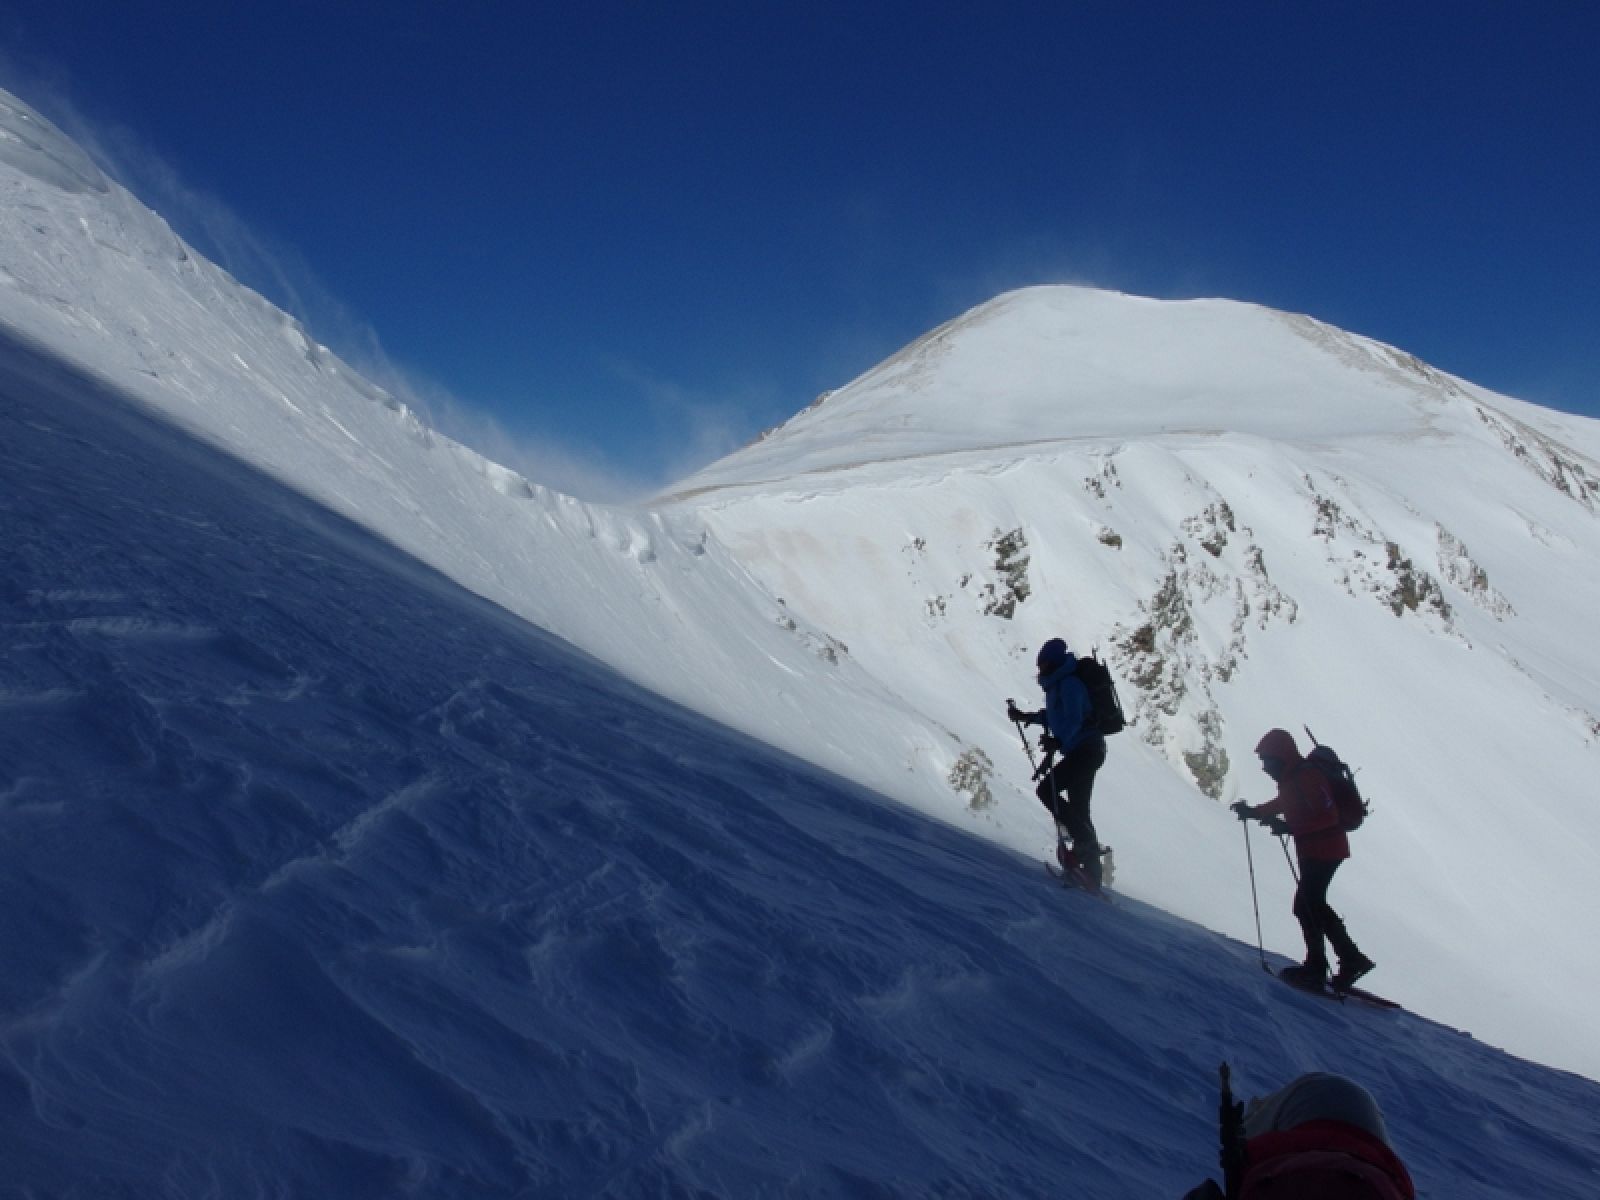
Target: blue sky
column 643, row 232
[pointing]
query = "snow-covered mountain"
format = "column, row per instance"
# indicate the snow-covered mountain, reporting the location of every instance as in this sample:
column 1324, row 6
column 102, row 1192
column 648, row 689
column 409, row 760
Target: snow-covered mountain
column 320, row 876
column 1261, row 521
column 325, row 876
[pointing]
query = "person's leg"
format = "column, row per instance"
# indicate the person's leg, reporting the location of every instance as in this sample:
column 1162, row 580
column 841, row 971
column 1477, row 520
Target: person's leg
column 1338, row 936
column 1049, row 790
column 1352, row 963
column 1312, row 911
column 1081, row 766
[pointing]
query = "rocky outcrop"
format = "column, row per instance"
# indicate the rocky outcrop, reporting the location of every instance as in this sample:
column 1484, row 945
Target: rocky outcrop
column 1100, row 484
column 1456, row 567
column 1212, row 527
column 1556, row 466
column 1367, row 563
column 1173, row 657
column 826, row 647
column 1010, row 587
column 970, row 777
column 999, row 586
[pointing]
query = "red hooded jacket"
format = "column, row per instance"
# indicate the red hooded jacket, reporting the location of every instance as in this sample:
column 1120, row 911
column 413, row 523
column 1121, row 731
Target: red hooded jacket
column 1323, row 1159
column 1304, row 801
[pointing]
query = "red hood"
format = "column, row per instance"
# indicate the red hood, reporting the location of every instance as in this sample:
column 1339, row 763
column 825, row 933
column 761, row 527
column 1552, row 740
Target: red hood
column 1279, row 743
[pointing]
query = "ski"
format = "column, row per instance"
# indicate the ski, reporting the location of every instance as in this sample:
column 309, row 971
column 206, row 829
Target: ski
column 1076, row 878
column 1366, row 997
column 1360, row 995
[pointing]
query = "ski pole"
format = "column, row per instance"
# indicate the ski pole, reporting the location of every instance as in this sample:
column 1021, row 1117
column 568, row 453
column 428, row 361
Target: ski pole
column 1042, row 772
column 1022, row 733
column 1038, row 770
column 1284, row 842
column 1256, row 903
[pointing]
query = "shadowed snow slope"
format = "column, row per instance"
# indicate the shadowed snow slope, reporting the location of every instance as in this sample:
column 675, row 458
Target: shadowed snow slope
column 320, row 876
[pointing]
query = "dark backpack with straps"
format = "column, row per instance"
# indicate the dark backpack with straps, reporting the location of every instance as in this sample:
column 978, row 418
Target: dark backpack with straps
column 1105, row 710
column 1342, row 783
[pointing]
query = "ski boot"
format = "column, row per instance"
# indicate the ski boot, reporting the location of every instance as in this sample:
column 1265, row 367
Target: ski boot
column 1350, row 970
column 1309, row 975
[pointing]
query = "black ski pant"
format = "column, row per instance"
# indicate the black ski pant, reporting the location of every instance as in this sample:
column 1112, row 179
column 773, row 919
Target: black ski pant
column 1317, row 919
column 1074, row 776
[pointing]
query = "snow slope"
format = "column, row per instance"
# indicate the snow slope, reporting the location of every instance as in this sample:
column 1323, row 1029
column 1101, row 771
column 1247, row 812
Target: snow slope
column 97, row 278
column 1262, row 521
column 322, row 876
column 838, row 611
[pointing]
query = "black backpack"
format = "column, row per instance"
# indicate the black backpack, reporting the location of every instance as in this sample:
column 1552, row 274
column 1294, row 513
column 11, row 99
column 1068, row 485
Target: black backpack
column 1105, row 710
column 1342, row 783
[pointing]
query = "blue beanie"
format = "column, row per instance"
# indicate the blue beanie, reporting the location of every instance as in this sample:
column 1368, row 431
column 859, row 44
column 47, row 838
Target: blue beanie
column 1052, row 654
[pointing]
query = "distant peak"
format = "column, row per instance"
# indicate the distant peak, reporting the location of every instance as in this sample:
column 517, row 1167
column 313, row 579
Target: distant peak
column 1060, row 363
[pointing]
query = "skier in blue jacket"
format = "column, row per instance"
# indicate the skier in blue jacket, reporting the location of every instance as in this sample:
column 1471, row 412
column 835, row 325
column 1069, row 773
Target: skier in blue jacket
column 1080, row 750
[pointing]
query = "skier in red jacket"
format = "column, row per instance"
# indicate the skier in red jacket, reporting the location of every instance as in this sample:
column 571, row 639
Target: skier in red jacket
column 1322, row 1137
column 1305, row 804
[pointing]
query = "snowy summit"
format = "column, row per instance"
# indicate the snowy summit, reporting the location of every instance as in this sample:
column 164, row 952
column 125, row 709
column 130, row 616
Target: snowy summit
column 375, row 821
column 1065, row 363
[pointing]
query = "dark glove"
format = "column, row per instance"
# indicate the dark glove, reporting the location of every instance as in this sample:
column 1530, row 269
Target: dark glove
column 1242, row 809
column 1276, row 827
column 1049, row 744
column 1013, row 713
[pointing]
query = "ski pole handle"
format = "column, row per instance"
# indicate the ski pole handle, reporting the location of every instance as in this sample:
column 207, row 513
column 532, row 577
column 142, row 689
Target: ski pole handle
column 1011, row 706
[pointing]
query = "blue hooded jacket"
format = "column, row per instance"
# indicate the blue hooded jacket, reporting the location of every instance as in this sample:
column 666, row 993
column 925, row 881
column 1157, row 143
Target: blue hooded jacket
column 1066, row 705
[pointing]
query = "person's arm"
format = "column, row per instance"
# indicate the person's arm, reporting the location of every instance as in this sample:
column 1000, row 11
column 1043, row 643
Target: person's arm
column 1272, row 808
column 1266, row 813
column 1024, row 718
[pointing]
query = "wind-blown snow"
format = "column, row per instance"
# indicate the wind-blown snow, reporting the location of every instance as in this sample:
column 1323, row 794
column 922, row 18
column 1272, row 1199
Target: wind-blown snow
column 33, row 146
column 104, row 282
column 328, row 870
